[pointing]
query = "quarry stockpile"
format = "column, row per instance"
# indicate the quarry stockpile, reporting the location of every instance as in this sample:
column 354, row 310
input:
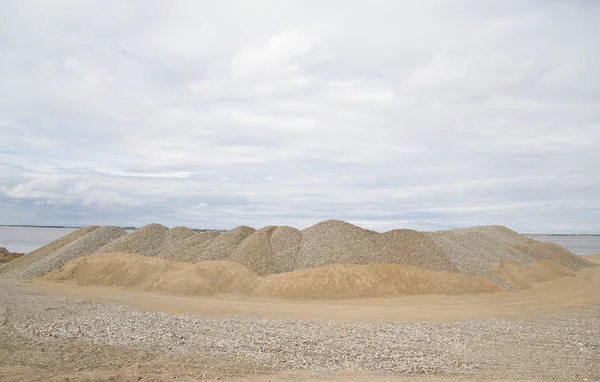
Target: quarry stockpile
column 15, row 267
column 84, row 245
column 492, row 253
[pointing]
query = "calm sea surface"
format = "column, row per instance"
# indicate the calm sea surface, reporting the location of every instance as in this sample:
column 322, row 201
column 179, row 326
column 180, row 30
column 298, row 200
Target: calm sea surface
column 26, row 239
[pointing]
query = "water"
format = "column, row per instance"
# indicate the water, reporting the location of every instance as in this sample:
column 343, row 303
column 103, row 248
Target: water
column 27, row 239
column 581, row 245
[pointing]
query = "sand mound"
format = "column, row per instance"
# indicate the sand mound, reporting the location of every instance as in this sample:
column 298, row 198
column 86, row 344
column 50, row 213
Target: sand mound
column 214, row 277
column 521, row 276
column 18, row 265
column 147, row 241
column 83, row 246
column 221, row 247
column 155, row 274
column 346, row 281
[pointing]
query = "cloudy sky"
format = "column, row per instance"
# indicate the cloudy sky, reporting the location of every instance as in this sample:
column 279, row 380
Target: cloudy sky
column 387, row 114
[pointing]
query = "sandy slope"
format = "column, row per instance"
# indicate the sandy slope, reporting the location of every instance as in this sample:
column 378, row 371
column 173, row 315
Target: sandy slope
column 581, row 289
column 337, row 281
column 593, row 258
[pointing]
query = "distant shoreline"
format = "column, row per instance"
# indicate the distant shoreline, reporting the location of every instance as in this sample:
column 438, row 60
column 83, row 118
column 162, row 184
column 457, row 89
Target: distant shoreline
column 76, row 227
column 208, row 229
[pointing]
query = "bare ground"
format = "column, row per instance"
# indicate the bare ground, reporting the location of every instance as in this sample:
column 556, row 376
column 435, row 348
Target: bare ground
column 46, row 336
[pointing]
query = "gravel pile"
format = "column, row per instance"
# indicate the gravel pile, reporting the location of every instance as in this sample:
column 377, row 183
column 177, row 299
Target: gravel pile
column 255, row 252
column 551, row 251
column 173, row 241
column 285, row 246
column 475, row 251
column 190, row 248
column 18, row 265
column 273, row 250
column 83, row 246
column 320, row 244
column 147, row 241
column 221, row 247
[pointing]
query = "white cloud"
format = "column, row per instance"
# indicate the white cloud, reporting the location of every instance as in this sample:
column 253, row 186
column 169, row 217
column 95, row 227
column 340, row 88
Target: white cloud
column 429, row 114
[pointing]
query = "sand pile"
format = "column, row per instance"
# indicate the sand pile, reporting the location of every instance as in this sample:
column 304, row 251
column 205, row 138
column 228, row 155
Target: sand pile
column 520, row 276
column 89, row 243
column 155, row 274
column 345, row 281
column 215, row 277
column 18, row 265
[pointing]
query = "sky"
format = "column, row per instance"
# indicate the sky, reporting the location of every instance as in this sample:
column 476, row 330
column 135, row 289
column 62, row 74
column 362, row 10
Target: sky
column 388, row 114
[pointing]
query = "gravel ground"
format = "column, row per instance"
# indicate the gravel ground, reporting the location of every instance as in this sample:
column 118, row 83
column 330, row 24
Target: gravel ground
column 560, row 346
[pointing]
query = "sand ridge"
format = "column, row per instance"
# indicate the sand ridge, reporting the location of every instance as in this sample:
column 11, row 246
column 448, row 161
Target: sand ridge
column 338, row 281
column 327, row 257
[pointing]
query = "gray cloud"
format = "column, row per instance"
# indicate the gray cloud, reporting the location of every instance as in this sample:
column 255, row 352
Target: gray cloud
column 427, row 115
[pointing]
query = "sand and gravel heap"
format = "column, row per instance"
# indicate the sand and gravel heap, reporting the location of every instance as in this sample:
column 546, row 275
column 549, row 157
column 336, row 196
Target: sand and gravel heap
column 550, row 251
column 216, row 277
column 324, row 242
column 174, row 239
column 89, row 243
column 7, row 256
column 519, row 276
column 18, row 265
column 477, row 250
column 492, row 252
column 147, row 241
column 188, row 249
column 270, row 250
column 221, row 247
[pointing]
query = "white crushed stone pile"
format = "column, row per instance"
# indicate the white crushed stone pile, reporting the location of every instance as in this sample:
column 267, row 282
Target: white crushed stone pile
column 83, row 246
